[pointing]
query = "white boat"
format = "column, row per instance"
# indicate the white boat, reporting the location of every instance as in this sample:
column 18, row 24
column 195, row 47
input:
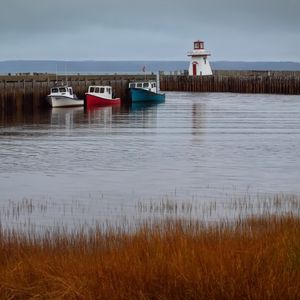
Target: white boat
column 63, row 96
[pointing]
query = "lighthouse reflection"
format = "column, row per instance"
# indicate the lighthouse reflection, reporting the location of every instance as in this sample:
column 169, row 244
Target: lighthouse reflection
column 198, row 122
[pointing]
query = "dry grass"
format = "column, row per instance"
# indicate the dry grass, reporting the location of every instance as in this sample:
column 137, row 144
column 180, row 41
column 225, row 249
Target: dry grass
column 258, row 258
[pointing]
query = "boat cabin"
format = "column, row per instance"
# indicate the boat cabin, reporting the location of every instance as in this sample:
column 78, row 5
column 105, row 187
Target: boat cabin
column 145, row 85
column 61, row 91
column 101, row 91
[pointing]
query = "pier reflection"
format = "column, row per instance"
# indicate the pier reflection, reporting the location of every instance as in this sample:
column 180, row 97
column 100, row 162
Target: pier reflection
column 27, row 117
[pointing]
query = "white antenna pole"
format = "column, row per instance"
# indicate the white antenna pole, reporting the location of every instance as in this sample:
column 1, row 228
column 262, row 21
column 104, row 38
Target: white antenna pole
column 66, row 73
column 56, row 74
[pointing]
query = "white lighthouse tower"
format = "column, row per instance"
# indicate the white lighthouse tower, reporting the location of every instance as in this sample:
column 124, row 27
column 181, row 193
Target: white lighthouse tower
column 199, row 64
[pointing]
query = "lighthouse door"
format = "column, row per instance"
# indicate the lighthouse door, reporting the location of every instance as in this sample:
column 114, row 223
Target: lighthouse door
column 194, row 69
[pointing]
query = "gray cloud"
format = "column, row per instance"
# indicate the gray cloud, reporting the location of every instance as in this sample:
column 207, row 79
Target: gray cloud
column 165, row 29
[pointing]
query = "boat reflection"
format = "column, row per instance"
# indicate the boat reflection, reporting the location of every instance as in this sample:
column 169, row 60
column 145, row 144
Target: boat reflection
column 101, row 114
column 136, row 106
column 66, row 117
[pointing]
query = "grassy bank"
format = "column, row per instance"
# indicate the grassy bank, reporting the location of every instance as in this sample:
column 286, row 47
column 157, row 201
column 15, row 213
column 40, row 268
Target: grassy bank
column 258, row 258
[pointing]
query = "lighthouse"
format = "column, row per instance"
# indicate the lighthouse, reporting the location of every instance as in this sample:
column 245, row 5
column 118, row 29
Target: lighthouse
column 199, row 65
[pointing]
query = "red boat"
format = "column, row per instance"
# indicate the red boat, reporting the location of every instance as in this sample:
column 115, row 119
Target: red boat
column 100, row 96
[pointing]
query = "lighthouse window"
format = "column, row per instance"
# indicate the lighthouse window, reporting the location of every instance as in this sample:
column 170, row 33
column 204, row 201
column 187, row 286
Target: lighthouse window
column 196, row 45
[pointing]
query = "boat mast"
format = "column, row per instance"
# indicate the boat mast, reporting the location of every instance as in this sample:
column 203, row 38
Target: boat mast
column 66, row 74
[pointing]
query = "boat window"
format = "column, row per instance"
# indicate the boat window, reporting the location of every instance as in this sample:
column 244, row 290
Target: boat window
column 154, row 84
column 62, row 90
column 92, row 89
column 102, row 90
column 55, row 90
column 108, row 90
column 139, row 85
column 145, row 84
column 132, row 85
column 71, row 91
column 97, row 90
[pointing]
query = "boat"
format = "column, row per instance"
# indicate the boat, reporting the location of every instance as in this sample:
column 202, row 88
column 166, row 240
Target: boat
column 145, row 91
column 100, row 96
column 63, row 96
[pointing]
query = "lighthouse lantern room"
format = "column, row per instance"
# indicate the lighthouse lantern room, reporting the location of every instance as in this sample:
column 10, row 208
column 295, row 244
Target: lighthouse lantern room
column 199, row 65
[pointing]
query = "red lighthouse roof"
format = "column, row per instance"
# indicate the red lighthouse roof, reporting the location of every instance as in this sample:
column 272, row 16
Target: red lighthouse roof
column 199, row 50
column 198, row 45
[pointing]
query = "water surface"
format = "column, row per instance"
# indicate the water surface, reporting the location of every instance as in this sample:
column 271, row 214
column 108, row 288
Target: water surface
column 102, row 164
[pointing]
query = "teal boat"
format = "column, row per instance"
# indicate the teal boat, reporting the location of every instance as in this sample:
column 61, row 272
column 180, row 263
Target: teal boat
column 145, row 91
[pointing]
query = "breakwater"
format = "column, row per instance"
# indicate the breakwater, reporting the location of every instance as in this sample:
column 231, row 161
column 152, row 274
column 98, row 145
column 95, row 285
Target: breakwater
column 26, row 92
column 264, row 82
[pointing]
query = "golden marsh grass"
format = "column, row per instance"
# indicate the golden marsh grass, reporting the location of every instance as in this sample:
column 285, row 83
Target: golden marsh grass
column 253, row 258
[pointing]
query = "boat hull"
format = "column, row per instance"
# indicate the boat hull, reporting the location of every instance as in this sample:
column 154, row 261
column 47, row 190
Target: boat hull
column 140, row 95
column 61, row 101
column 92, row 100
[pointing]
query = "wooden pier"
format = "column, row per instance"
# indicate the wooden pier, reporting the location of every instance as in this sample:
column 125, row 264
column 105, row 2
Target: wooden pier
column 263, row 82
column 25, row 92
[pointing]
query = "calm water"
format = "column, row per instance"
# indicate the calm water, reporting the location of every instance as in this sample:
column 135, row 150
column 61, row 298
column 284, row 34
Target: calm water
column 104, row 164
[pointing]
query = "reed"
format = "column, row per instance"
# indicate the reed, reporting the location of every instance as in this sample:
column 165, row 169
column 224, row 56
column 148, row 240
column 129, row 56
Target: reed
column 254, row 258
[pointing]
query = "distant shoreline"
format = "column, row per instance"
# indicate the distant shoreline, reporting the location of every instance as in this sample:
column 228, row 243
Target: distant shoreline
column 91, row 67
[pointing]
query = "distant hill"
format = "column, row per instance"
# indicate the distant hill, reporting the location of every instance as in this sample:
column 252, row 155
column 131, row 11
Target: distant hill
column 90, row 67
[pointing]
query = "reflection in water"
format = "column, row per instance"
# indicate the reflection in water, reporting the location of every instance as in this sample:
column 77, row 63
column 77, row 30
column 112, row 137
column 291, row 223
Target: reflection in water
column 66, row 116
column 35, row 116
column 143, row 105
column 192, row 147
column 198, row 118
column 101, row 115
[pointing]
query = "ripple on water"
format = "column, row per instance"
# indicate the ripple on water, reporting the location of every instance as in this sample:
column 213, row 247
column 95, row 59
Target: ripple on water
column 190, row 142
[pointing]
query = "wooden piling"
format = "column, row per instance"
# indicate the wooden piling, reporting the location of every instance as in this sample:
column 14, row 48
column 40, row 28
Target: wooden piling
column 235, row 82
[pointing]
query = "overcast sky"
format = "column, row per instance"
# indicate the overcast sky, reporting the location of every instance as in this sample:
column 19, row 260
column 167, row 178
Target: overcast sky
column 250, row 30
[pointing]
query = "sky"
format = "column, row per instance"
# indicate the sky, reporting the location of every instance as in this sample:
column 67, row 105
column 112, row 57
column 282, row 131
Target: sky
column 235, row 30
